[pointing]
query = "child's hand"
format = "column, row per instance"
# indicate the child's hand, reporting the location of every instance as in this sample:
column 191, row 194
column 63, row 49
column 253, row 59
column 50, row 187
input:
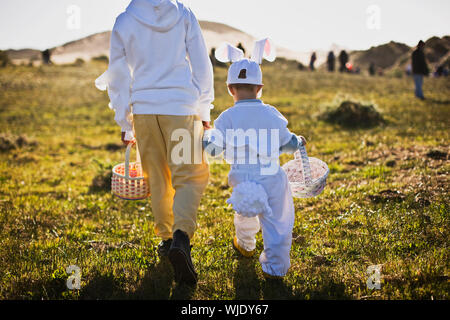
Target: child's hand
column 206, row 125
column 303, row 140
column 126, row 142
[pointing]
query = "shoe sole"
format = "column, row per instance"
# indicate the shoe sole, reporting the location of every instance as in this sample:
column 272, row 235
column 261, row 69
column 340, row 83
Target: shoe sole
column 241, row 251
column 184, row 272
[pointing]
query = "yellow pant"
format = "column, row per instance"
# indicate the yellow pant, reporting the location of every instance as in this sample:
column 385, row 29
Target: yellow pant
column 176, row 189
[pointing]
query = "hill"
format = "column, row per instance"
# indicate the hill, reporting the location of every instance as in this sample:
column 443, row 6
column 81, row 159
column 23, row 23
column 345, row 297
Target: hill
column 383, row 56
column 98, row 45
column 397, row 56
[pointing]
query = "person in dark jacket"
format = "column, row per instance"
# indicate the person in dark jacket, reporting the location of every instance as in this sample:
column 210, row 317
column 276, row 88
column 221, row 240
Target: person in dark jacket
column 240, row 46
column 331, row 61
column 46, row 55
column 312, row 61
column 372, row 70
column 419, row 69
column 343, row 59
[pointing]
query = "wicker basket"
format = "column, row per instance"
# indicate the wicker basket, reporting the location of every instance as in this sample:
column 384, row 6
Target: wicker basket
column 307, row 176
column 128, row 180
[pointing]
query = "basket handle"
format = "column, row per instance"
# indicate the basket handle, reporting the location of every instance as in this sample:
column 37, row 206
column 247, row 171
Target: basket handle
column 301, row 154
column 127, row 159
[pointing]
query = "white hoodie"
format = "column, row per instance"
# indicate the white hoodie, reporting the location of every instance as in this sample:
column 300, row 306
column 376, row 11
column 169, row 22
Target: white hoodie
column 159, row 63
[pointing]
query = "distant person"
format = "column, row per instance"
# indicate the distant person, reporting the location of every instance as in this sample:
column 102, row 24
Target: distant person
column 214, row 61
column 441, row 71
column 419, row 69
column 212, row 57
column 349, row 67
column 46, row 57
column 312, row 61
column 343, row 60
column 301, row 66
column 408, row 70
column 372, row 70
column 240, row 46
column 331, row 61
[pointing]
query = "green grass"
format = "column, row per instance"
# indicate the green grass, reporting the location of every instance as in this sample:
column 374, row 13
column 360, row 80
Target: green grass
column 56, row 210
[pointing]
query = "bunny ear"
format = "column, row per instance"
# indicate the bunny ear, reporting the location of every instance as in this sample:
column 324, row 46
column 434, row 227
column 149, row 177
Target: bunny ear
column 227, row 53
column 264, row 49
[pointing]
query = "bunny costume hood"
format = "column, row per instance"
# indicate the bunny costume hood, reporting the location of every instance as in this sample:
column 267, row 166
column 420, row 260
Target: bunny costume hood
column 246, row 71
column 148, row 70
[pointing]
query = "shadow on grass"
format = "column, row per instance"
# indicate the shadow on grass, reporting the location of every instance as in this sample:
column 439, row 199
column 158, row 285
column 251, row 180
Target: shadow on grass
column 246, row 281
column 248, row 286
column 320, row 286
column 103, row 287
column 156, row 284
column 435, row 101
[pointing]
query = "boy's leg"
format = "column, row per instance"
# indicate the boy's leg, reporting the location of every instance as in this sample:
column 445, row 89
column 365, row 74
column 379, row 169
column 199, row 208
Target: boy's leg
column 188, row 179
column 246, row 230
column 418, row 82
column 152, row 148
column 277, row 229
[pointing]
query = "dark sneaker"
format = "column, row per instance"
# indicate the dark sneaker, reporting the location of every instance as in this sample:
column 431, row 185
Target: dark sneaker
column 164, row 247
column 180, row 258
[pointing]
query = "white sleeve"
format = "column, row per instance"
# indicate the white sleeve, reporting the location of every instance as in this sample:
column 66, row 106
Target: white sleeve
column 202, row 71
column 117, row 80
column 285, row 134
column 222, row 124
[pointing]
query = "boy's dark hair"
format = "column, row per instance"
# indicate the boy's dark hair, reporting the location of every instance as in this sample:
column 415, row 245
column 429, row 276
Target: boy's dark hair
column 243, row 86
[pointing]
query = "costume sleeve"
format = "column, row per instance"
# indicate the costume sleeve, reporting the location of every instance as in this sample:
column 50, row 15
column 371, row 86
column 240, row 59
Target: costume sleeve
column 292, row 146
column 202, row 70
column 281, row 124
column 213, row 142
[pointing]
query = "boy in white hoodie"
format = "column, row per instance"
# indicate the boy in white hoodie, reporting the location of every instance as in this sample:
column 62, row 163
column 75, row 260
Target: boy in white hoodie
column 160, row 79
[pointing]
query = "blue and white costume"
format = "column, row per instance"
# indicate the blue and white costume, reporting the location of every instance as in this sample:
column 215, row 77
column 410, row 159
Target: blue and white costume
column 260, row 133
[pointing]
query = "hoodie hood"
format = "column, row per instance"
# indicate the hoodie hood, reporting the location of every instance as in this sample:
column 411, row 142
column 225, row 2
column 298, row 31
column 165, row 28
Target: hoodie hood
column 160, row 15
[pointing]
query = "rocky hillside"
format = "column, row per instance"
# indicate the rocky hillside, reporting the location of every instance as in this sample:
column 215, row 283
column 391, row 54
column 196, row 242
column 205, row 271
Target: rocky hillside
column 98, row 45
column 394, row 55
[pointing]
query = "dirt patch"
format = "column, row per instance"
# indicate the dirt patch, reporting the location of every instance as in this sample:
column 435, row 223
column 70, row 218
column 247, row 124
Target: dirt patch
column 101, row 182
column 10, row 142
column 437, row 155
column 352, row 114
column 113, row 147
column 387, row 196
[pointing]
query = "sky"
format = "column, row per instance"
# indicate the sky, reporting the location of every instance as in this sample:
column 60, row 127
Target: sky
column 294, row 24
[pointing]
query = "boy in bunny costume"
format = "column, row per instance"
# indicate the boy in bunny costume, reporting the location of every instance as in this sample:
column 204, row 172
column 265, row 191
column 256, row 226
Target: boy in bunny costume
column 155, row 90
column 252, row 135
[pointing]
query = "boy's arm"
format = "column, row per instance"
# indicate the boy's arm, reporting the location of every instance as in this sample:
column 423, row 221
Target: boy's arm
column 289, row 142
column 117, row 80
column 212, row 143
column 120, row 83
column 202, row 71
column 293, row 145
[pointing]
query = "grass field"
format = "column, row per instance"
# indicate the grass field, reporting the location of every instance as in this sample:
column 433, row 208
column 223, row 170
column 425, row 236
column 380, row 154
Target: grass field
column 386, row 202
